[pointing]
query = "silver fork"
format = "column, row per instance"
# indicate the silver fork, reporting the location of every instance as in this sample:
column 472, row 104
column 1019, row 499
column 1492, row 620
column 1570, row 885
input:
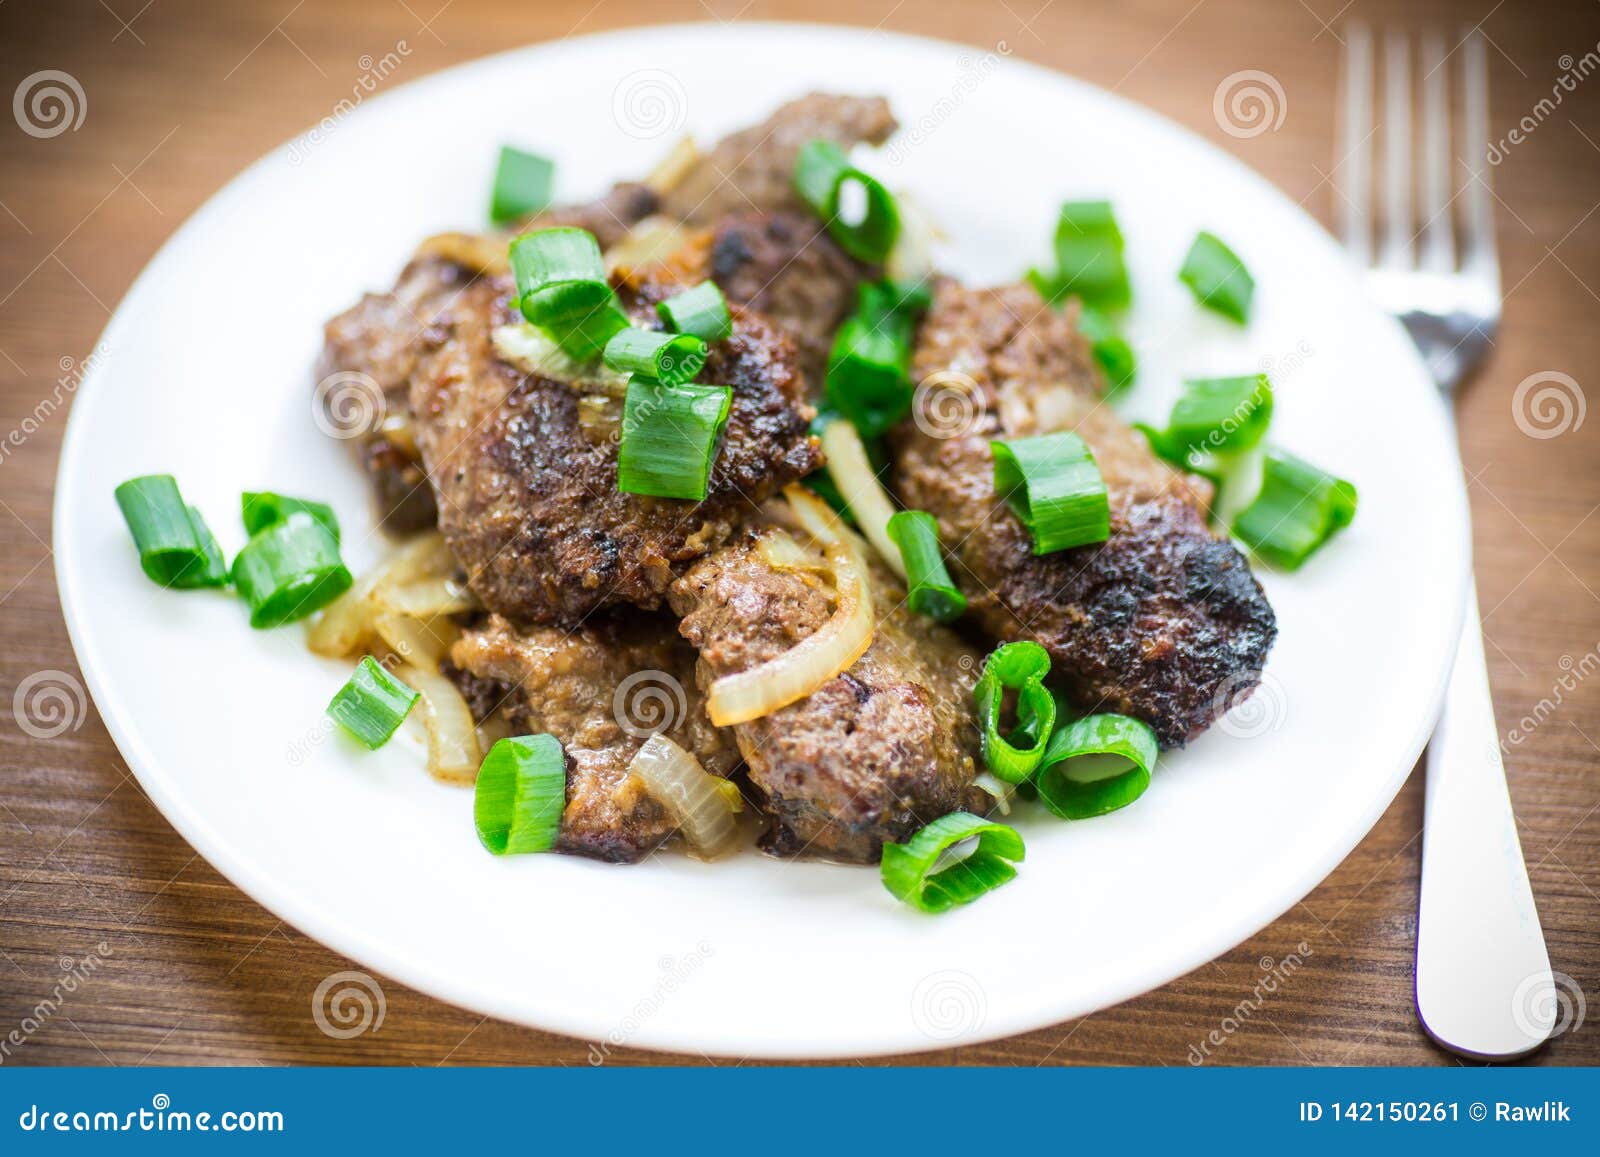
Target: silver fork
column 1484, row 986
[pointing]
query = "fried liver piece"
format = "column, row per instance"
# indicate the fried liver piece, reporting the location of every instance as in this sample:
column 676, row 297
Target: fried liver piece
column 1163, row 621
column 380, row 338
column 877, row 751
column 602, row 690
column 753, row 168
column 527, row 483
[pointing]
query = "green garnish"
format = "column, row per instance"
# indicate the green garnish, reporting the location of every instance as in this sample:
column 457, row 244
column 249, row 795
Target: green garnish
column 1096, row 765
column 176, row 548
column 1218, row 278
column 1053, row 485
column 930, row 590
column 372, row 705
column 909, row 873
column 1021, row 667
column 669, row 438
column 520, row 794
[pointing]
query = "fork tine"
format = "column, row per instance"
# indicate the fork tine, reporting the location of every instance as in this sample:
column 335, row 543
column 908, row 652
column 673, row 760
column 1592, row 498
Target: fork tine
column 1396, row 249
column 1480, row 255
column 1438, row 245
column 1355, row 145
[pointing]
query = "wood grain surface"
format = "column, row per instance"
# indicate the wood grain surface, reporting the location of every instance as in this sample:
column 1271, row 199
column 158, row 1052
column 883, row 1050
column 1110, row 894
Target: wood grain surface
column 182, row 94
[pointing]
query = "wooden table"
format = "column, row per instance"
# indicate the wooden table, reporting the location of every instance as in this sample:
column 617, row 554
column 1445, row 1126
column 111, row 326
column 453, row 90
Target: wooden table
column 182, row 94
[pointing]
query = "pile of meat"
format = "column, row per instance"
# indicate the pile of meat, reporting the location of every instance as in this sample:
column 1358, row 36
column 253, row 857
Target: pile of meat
column 593, row 595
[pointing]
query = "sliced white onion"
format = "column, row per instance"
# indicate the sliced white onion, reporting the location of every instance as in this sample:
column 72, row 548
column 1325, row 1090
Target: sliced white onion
column 425, row 598
column 781, row 552
column 696, row 799
column 531, row 350
column 650, row 242
column 1000, row 790
column 674, row 167
column 453, row 752
column 484, row 252
column 831, row 649
column 858, row 485
column 420, row 642
column 911, row 259
column 345, row 627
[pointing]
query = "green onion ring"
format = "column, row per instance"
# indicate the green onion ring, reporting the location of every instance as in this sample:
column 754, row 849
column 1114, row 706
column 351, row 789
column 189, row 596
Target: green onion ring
column 520, row 794
column 930, row 590
column 821, row 170
column 260, row 509
column 669, row 438
column 1020, row 666
column 908, row 869
column 176, row 547
column 670, row 358
column 1218, row 278
column 1108, row 741
column 289, row 570
column 701, row 311
column 1052, row 484
column 372, row 704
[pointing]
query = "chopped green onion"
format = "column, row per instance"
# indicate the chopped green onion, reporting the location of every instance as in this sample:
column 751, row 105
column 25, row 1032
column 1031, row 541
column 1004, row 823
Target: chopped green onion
column 867, row 379
column 176, row 548
column 215, row 573
column 562, row 288
column 904, row 301
column 931, row 592
column 669, row 358
column 867, row 376
column 1220, row 415
column 1096, row 765
column 826, row 181
column 521, row 184
column 669, row 438
column 262, row 508
column 520, row 795
column 701, row 311
column 1053, row 485
column 1111, row 350
column 372, row 705
column 564, row 255
column 1020, row 667
column 909, row 873
column 1218, row 278
column 1299, row 508
column 1089, row 263
column 289, row 570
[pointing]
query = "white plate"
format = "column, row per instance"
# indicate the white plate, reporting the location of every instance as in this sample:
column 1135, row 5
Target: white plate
column 206, row 374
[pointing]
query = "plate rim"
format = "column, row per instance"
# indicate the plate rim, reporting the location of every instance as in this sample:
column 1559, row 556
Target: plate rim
column 307, row 913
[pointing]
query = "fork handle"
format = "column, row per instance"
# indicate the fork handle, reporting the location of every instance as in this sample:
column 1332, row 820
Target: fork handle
column 1484, row 987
